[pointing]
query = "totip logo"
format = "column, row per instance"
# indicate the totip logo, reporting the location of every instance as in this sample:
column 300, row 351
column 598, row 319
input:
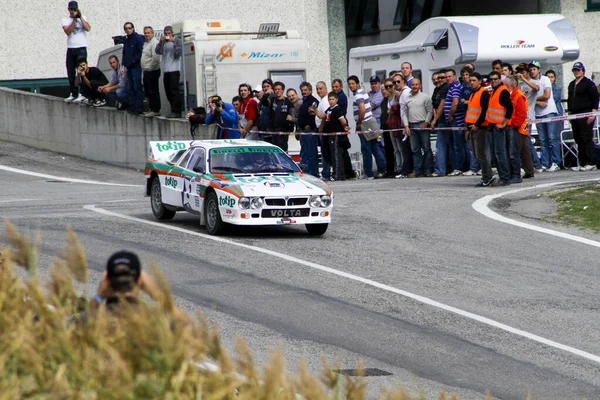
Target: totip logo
column 226, row 51
column 518, row 44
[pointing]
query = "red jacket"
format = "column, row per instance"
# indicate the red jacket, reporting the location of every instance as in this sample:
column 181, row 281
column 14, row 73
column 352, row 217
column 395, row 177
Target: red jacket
column 519, row 115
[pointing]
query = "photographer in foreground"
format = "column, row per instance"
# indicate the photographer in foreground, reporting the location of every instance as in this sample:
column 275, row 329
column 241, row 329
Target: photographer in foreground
column 123, row 282
column 225, row 115
column 89, row 80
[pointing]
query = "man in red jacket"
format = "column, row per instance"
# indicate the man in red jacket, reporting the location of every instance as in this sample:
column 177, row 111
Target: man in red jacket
column 518, row 134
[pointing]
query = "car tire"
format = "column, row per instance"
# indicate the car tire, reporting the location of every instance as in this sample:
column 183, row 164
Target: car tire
column 316, row 229
column 212, row 216
column 159, row 210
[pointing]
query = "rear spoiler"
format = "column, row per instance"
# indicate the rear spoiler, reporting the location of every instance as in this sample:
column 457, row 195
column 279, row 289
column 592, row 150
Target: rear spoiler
column 164, row 150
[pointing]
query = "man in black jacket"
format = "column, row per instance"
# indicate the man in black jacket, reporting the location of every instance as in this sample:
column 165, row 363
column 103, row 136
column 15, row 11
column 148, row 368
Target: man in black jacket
column 306, row 122
column 131, row 60
column 583, row 98
column 280, row 116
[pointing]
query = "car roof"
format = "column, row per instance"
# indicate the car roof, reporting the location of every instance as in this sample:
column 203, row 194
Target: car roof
column 211, row 144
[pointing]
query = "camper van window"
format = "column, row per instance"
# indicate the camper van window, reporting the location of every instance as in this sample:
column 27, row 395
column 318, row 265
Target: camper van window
column 593, row 5
column 438, row 39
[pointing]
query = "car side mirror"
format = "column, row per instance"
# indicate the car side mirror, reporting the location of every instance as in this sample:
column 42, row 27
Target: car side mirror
column 198, row 169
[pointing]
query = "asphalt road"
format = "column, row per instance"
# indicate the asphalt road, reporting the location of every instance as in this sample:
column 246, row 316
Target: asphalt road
column 272, row 286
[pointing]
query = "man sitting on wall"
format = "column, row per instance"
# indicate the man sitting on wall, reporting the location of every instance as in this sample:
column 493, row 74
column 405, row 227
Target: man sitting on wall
column 116, row 89
column 88, row 80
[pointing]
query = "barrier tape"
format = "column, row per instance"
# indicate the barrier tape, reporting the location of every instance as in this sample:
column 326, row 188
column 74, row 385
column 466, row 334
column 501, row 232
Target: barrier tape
column 379, row 131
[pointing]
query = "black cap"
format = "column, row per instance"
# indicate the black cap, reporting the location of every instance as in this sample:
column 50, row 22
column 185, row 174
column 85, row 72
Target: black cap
column 215, row 99
column 130, row 262
column 73, row 5
column 269, row 81
column 374, row 78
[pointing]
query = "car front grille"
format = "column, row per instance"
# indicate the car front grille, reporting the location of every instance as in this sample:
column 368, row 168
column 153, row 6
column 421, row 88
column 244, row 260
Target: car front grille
column 281, row 202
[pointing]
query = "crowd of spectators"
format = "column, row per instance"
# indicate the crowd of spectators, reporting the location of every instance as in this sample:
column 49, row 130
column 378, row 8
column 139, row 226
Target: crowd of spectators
column 482, row 123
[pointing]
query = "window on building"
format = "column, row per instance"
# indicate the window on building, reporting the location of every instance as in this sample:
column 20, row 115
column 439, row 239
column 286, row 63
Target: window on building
column 362, row 17
column 410, row 13
column 593, row 5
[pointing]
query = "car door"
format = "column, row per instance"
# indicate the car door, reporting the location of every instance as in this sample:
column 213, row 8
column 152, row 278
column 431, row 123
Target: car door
column 173, row 183
column 192, row 179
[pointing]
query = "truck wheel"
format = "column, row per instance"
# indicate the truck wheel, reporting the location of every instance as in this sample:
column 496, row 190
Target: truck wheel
column 212, row 216
column 158, row 208
column 316, row 229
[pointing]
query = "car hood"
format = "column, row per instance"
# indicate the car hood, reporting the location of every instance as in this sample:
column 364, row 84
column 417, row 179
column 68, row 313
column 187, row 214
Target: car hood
column 275, row 184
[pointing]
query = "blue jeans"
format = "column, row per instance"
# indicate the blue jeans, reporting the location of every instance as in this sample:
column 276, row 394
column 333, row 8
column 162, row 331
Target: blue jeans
column 473, row 163
column 461, row 161
column 134, row 87
column 537, row 164
column 442, row 145
column 121, row 95
column 498, row 150
column 420, row 145
column 514, row 158
column 370, row 148
column 309, row 153
column 550, row 143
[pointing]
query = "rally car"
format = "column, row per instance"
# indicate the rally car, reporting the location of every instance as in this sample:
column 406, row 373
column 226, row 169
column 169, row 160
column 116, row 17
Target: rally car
column 234, row 182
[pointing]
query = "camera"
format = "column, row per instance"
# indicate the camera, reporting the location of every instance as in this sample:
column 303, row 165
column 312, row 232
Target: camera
column 78, row 14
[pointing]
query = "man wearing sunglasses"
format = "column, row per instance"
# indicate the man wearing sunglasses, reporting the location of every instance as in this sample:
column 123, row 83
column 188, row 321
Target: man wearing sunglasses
column 75, row 27
column 132, row 61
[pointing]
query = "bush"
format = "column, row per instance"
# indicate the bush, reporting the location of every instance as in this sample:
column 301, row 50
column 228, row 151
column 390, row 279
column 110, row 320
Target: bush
column 48, row 350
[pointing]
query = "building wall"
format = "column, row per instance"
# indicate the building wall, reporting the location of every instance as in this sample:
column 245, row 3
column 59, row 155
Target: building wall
column 586, row 25
column 34, row 43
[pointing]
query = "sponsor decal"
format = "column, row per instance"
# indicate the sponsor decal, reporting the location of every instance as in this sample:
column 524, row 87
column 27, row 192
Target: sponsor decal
column 171, row 145
column 518, row 44
column 204, row 182
column 253, row 149
column 274, row 184
column 262, row 54
column 227, row 201
column 259, row 179
column 169, row 181
column 550, row 48
column 226, row 51
column 197, row 202
column 285, row 213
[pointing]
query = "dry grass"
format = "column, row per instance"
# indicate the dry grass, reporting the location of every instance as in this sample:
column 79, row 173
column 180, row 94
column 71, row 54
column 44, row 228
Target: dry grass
column 142, row 353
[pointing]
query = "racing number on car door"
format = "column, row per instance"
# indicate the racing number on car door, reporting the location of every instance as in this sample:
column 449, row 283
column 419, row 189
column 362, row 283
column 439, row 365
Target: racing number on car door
column 192, row 190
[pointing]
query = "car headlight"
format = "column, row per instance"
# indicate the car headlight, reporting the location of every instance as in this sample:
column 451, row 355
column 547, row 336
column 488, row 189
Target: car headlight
column 256, row 203
column 325, row 201
column 244, row 203
column 315, row 201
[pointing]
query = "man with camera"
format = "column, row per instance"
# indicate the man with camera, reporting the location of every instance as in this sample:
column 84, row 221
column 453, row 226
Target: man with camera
column 170, row 47
column 75, row 27
column 89, row 80
column 224, row 115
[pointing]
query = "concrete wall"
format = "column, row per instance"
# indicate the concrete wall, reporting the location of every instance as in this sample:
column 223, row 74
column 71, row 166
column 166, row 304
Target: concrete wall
column 100, row 134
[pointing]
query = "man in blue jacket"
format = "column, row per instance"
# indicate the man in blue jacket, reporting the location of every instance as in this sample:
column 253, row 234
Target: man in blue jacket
column 225, row 116
column 131, row 60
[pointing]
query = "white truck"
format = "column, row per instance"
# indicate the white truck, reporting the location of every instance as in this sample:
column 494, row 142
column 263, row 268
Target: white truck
column 451, row 42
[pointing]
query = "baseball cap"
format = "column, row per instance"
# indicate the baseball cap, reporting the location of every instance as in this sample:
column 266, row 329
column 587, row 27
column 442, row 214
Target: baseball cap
column 257, row 88
column 269, row 81
column 73, row 5
column 374, row 78
column 215, row 99
column 521, row 66
column 579, row 65
column 535, row 64
column 127, row 262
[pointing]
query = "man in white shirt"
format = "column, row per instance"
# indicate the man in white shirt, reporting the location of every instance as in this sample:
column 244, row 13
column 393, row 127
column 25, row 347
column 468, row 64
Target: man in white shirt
column 75, row 27
column 529, row 87
column 546, row 108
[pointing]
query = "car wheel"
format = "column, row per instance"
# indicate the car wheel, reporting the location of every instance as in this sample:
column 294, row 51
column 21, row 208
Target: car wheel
column 212, row 215
column 158, row 208
column 316, row 229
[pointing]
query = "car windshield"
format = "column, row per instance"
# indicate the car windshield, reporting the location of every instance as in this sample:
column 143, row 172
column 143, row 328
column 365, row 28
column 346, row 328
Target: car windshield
column 251, row 159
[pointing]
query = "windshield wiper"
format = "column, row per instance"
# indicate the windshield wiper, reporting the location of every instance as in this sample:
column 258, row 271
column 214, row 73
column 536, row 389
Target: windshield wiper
column 226, row 169
column 278, row 170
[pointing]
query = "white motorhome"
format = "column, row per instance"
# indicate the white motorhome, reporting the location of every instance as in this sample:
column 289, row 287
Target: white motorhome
column 451, row 42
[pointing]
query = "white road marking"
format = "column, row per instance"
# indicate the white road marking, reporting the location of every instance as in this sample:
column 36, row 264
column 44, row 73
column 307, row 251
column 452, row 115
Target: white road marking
column 482, row 206
column 18, row 200
column 356, row 278
column 120, row 201
column 61, row 178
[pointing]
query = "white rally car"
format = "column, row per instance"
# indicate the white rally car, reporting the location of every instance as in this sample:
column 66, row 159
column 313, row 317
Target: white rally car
column 236, row 182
